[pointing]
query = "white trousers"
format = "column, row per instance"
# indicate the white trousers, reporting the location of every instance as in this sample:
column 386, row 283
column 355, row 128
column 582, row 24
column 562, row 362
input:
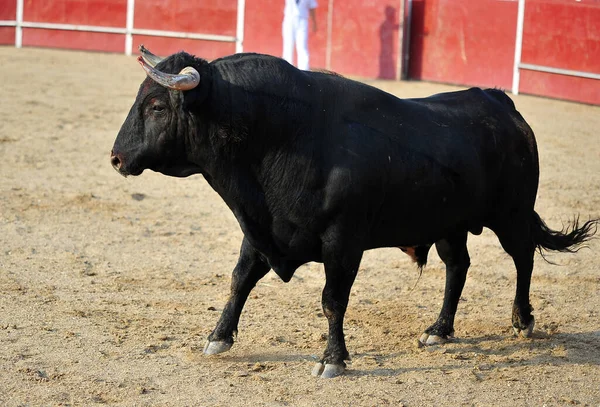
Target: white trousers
column 295, row 31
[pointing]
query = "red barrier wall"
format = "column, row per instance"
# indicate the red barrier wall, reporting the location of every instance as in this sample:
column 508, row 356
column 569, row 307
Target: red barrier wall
column 463, row 42
column 215, row 17
column 562, row 34
column 205, row 16
column 365, row 38
column 8, row 11
column 79, row 40
column 472, row 42
column 107, row 13
column 7, row 35
column 166, row 46
column 364, row 35
column 561, row 86
column 104, row 13
column 468, row 42
column 263, row 27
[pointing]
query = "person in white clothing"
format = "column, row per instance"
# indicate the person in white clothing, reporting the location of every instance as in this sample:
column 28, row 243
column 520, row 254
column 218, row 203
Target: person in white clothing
column 295, row 30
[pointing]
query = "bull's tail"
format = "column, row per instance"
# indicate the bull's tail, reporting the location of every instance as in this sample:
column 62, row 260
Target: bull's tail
column 569, row 239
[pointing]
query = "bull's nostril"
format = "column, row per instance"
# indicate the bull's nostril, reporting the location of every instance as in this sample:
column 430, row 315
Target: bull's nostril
column 115, row 161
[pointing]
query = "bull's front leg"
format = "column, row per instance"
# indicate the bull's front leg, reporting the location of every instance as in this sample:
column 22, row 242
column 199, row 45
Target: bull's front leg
column 340, row 272
column 249, row 270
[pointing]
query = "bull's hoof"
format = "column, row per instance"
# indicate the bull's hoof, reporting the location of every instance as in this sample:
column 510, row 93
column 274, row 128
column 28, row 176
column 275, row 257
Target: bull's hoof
column 216, row 347
column 428, row 339
column 327, row 370
column 525, row 333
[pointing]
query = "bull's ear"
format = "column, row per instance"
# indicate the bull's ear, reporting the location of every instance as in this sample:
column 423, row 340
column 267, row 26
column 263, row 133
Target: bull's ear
column 177, row 98
column 196, row 96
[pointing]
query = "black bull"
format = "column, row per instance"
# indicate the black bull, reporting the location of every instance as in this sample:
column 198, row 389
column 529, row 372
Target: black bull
column 316, row 167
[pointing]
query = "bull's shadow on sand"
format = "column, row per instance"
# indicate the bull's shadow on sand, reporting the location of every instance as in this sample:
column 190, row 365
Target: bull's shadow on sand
column 266, row 357
column 559, row 349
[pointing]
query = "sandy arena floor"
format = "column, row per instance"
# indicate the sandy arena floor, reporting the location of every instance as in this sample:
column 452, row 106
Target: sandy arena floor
column 110, row 286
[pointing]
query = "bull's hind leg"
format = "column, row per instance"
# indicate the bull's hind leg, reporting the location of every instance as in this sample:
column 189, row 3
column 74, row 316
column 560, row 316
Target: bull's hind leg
column 249, row 269
column 522, row 319
column 453, row 252
column 516, row 239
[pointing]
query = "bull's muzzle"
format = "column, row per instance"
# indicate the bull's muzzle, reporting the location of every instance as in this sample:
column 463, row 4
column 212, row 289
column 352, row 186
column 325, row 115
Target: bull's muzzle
column 117, row 161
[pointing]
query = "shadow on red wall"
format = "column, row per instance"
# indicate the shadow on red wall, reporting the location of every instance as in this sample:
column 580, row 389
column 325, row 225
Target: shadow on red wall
column 388, row 32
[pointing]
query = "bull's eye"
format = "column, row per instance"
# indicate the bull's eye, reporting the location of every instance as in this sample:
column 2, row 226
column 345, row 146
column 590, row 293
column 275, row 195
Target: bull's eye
column 155, row 107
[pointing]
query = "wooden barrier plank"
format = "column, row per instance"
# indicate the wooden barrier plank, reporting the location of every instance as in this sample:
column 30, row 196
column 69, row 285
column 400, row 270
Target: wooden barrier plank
column 206, row 16
column 562, row 34
column 106, row 13
column 77, row 40
column 163, row 46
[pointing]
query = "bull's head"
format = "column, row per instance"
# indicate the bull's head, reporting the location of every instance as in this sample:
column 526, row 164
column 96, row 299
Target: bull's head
column 156, row 130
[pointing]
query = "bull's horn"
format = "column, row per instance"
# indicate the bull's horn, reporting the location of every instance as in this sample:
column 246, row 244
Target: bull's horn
column 188, row 78
column 149, row 57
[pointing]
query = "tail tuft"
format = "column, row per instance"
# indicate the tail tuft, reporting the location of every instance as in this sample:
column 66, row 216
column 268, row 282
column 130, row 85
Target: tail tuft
column 569, row 239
